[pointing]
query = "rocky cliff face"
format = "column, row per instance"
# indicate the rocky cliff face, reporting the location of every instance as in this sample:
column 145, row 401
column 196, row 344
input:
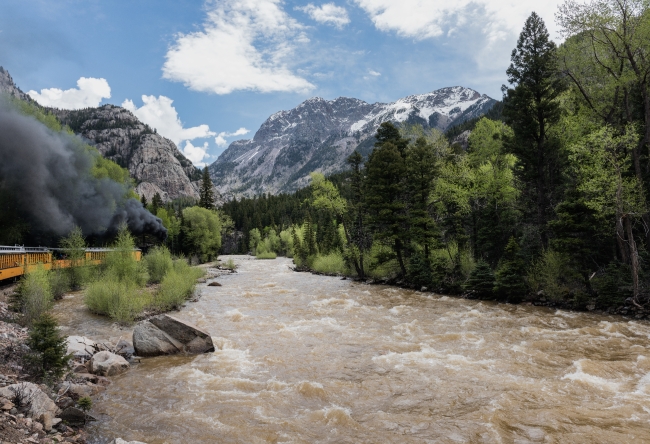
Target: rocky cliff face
column 154, row 162
column 320, row 134
column 7, row 86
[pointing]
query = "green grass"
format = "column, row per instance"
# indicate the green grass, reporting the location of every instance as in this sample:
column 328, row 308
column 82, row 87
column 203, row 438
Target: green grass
column 266, row 255
column 122, row 301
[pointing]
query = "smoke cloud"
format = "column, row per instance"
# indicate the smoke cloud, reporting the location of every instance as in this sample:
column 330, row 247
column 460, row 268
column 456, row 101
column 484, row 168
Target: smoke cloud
column 49, row 175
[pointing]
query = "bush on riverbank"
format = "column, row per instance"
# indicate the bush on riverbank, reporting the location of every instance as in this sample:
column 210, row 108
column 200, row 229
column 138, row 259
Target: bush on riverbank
column 177, row 286
column 332, row 263
column 158, row 262
column 34, row 295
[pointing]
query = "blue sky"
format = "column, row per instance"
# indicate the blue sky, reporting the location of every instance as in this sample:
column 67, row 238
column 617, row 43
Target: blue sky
column 213, row 71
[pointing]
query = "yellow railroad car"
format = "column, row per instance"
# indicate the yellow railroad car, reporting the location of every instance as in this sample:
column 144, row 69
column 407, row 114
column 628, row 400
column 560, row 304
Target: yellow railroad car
column 18, row 260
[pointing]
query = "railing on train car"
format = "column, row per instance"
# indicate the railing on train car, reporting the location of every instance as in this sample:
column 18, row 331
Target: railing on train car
column 14, row 260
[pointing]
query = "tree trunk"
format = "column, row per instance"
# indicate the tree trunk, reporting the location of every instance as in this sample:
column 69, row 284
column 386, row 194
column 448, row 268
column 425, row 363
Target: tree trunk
column 398, row 250
column 634, row 258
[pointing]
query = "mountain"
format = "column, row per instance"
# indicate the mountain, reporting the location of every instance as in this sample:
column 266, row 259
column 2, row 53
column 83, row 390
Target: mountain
column 320, row 134
column 154, row 162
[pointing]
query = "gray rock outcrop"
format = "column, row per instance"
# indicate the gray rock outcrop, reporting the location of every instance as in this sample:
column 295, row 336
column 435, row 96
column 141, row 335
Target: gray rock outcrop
column 7, row 86
column 106, row 363
column 166, row 335
column 32, row 397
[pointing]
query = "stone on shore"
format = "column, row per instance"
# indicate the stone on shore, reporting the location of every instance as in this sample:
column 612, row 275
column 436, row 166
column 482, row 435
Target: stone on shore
column 30, row 396
column 75, row 416
column 124, row 348
column 81, row 347
column 121, row 441
column 106, row 363
column 166, row 335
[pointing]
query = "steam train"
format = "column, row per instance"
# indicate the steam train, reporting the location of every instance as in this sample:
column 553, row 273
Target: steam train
column 17, row 260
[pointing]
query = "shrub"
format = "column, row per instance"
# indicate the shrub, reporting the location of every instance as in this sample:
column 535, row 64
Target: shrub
column 75, row 246
column 266, row 255
column 85, row 403
column 158, row 262
column 613, row 286
column 332, row 263
column 48, row 347
column 59, row 282
column 481, row 280
column 34, row 294
column 177, row 286
column 121, row 264
column 419, row 271
column 202, row 230
column 120, row 300
column 552, row 274
column 230, row 264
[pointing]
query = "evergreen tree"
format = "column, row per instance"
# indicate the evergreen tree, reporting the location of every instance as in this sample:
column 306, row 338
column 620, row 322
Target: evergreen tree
column 509, row 277
column 156, row 203
column 481, row 280
column 531, row 109
column 143, row 200
column 206, row 194
column 360, row 238
column 385, row 198
column 49, row 347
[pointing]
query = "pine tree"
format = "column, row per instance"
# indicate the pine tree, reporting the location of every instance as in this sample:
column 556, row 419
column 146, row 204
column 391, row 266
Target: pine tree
column 385, row 198
column 156, row 203
column 481, row 280
column 49, row 347
column 509, row 277
column 143, row 200
column 531, row 108
column 206, row 194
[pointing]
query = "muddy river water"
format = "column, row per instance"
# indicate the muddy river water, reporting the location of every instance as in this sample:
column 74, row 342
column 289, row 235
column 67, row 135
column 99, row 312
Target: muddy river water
column 312, row 359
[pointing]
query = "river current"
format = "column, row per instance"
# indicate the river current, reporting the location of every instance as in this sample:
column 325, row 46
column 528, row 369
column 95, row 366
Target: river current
column 312, row 359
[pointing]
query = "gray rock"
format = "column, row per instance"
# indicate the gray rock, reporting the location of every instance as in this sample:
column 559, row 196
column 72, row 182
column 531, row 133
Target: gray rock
column 124, row 348
column 81, row 347
column 121, row 441
column 30, row 396
column 106, row 363
column 81, row 390
column 165, row 335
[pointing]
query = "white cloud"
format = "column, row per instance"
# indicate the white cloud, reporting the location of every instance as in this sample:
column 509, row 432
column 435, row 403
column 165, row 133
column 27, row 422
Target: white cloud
column 374, row 73
column 196, row 154
column 484, row 29
column 327, row 13
column 89, row 93
column 160, row 114
column 221, row 141
column 244, row 45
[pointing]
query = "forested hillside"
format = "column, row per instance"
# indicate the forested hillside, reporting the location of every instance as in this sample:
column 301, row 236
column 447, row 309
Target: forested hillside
column 548, row 202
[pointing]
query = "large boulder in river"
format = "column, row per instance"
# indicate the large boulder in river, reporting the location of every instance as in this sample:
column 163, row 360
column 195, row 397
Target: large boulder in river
column 32, row 398
column 106, row 363
column 166, row 335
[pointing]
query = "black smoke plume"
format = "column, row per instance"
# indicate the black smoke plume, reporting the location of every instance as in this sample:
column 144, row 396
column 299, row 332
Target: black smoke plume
column 47, row 176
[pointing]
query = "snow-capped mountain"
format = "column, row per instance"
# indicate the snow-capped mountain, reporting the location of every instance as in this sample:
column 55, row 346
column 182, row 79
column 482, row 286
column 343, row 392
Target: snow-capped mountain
column 320, row 134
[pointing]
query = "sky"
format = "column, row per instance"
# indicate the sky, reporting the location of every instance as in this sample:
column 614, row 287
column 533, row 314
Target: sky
column 206, row 73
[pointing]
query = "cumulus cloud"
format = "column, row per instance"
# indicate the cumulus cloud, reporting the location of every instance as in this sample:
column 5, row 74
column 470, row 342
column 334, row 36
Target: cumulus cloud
column 159, row 113
column 196, row 154
column 244, row 45
column 221, row 141
column 495, row 23
column 327, row 13
column 374, row 73
column 89, row 93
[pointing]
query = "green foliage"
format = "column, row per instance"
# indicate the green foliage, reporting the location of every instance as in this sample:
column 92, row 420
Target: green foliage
column 85, row 403
column 119, row 300
column 158, row 262
column 121, row 264
column 613, row 286
column 177, row 286
column 75, row 251
column 266, row 255
column 202, row 230
column 481, row 280
column 509, row 277
column 59, row 282
column 552, row 274
column 230, row 264
column 48, row 346
column 419, row 271
column 206, row 199
column 332, row 263
column 34, row 294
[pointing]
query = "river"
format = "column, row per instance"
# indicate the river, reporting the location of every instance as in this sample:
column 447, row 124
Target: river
column 312, row 359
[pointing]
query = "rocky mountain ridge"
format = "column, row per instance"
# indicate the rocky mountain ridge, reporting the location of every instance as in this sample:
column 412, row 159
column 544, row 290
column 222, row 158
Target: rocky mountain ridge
column 154, row 162
column 320, row 134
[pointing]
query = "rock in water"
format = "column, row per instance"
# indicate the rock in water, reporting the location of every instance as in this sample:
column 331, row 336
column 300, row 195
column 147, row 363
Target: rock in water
column 214, row 284
column 166, row 335
column 81, row 347
column 31, row 396
column 124, row 348
column 121, row 441
column 108, row 364
column 74, row 416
